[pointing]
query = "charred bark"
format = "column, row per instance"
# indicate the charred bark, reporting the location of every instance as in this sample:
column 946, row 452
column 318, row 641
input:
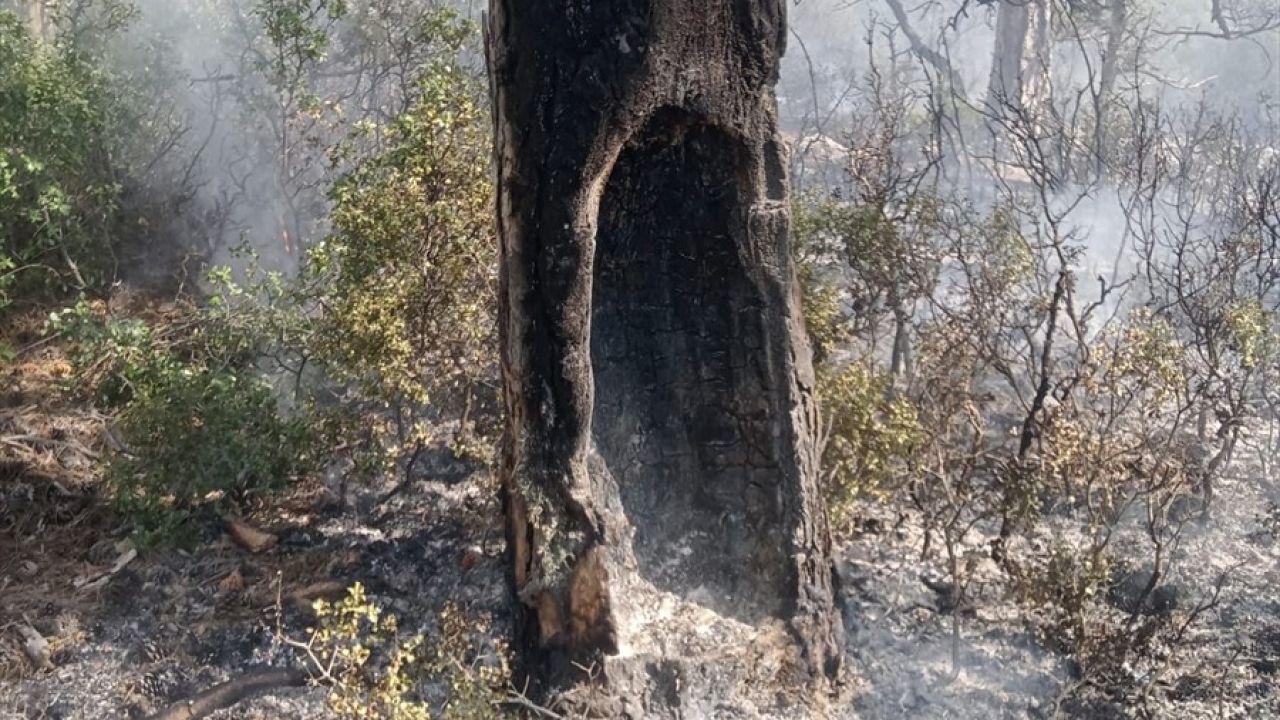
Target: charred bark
column 660, row 447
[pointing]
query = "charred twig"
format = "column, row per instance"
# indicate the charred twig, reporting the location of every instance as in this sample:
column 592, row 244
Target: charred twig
column 408, row 476
column 518, row 699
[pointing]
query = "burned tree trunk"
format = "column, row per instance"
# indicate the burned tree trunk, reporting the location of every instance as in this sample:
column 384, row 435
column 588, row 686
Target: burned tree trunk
column 660, row 467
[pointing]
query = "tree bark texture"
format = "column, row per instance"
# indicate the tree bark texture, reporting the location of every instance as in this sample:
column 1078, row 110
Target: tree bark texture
column 34, row 11
column 1020, row 83
column 660, row 448
column 1117, row 27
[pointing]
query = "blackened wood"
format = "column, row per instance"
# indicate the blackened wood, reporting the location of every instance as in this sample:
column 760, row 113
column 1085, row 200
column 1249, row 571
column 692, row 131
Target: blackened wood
column 657, row 379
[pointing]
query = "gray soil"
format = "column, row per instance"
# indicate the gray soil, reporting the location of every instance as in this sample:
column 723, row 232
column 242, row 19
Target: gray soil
column 168, row 625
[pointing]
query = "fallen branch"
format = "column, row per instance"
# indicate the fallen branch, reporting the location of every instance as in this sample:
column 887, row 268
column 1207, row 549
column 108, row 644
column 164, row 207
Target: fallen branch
column 23, row 442
column 519, row 700
column 229, row 693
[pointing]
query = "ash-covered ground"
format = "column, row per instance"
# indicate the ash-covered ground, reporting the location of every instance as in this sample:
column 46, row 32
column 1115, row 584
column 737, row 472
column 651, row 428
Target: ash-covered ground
column 129, row 635
column 1218, row 657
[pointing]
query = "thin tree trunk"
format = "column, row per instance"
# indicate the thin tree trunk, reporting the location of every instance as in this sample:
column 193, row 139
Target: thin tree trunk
column 900, row 365
column 1036, row 64
column 1117, row 24
column 1004, row 85
column 35, row 11
column 1019, row 88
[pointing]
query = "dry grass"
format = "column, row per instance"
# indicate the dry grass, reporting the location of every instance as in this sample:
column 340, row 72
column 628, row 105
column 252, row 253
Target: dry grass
column 51, row 512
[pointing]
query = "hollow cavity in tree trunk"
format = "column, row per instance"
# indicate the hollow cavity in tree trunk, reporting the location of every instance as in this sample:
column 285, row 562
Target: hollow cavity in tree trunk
column 660, row 461
column 682, row 402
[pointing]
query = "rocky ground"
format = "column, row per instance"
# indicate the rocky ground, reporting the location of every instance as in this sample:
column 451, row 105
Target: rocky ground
column 129, row 633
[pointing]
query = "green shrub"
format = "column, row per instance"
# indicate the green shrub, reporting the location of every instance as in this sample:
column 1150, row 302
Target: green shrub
column 817, row 258
column 372, row 668
column 1065, row 590
column 198, row 432
column 8, row 275
column 112, row 357
column 200, row 438
column 58, row 189
column 408, row 274
column 396, row 304
column 869, row 435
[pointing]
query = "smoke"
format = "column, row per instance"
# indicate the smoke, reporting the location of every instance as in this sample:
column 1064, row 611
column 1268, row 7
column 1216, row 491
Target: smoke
column 834, row 44
column 243, row 163
column 241, row 158
column 245, row 139
column 214, row 128
column 1169, row 68
column 1191, row 117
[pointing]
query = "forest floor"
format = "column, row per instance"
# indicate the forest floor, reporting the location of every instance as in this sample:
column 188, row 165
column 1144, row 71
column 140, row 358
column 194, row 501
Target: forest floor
column 129, row 633
column 1217, row 657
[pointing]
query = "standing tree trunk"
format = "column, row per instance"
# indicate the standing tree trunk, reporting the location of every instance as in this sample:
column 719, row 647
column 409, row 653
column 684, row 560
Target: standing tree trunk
column 1117, row 26
column 1019, row 88
column 660, row 463
column 35, row 12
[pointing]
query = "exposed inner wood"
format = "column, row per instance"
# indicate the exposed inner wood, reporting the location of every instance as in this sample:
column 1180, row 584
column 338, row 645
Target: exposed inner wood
column 682, row 392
